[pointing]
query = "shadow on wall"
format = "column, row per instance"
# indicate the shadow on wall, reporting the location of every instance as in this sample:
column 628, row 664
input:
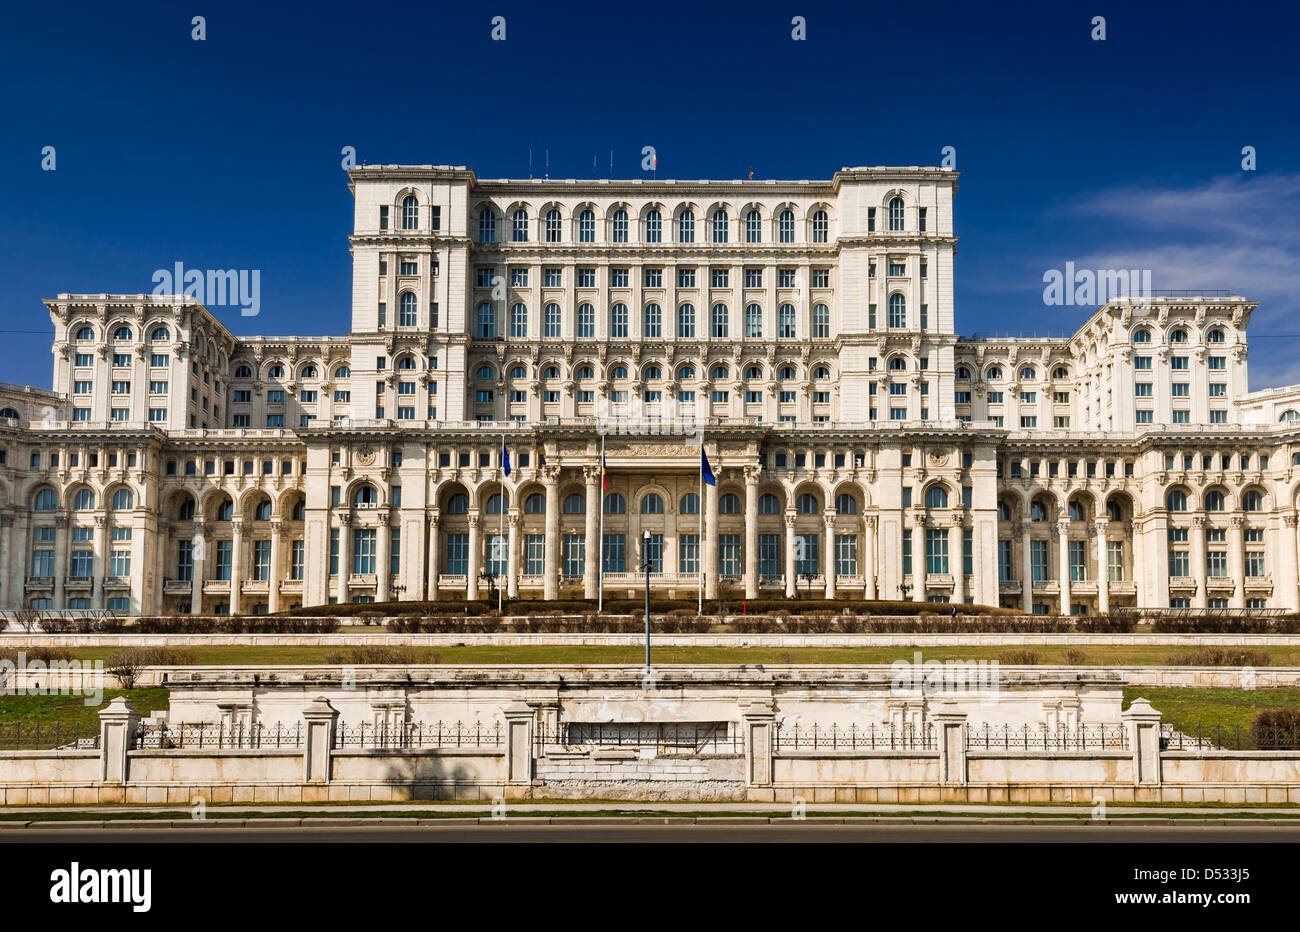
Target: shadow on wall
column 426, row 778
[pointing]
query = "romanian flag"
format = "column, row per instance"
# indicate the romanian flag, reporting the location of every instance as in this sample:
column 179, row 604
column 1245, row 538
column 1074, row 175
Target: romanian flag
column 604, row 480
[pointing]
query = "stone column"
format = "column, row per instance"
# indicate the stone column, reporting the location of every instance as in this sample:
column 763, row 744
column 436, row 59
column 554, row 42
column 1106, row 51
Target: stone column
column 471, row 564
column 1063, row 562
column 512, row 555
column 199, row 563
column 1027, row 569
column 751, row 532
column 7, row 596
column 273, row 577
column 99, row 562
column 382, row 544
column 434, row 554
column 1286, row 578
column 162, row 548
column 709, row 546
column 591, row 559
column 118, row 723
column 551, row 582
column 869, row 555
column 1103, row 565
column 236, row 564
column 345, row 557
column 1142, row 724
column 829, row 520
column 519, row 718
column 789, row 556
column 1237, row 562
column 1197, row 535
column 60, row 560
column 918, row 558
column 955, row 547
column 319, row 721
column 759, row 720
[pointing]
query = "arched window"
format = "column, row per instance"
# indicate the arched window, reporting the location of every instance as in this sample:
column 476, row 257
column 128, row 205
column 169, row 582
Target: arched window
column 785, row 226
column 806, row 504
column 1027, row 374
column 846, row 504
column 896, row 214
column 1290, row 414
column 1060, row 372
column 406, row 314
column 85, row 334
column 686, row 321
column 820, row 226
column 1216, row 336
column 519, row 226
column 1252, row 501
column 9, row 414
column 653, row 372
column 410, row 213
column 225, row 510
column 587, row 226
column 721, row 226
column 1178, row 336
column 518, row 372
column 753, row 322
column 84, row 500
column 936, row 497
column 554, row 226
column 575, row 504
column 494, row 503
column 487, row 226
column 754, row 372
column 585, row 372
column 1037, row 512
column 263, row 511
column 615, row 504
column 618, row 320
column 1004, row 511
column 308, row 372
column 551, row 372
column 342, row 372
column 535, row 504
column 1076, row 512
column 788, row 372
column 720, row 373
column 619, row 227
column 406, row 362
column 729, row 504
column 160, row 334
column 962, row 373
column 652, row 321
column 753, row 227
column 299, row 512
column 275, row 372
column 720, row 320
column 1142, row 335
column 1114, row 511
column 785, row 322
column 485, row 373
column 186, row 511
column 898, row 364
column 458, row 504
column 994, row 373
column 486, row 326
column 618, row 373
column 365, row 495
column 1176, row 500
column 821, row 372
column 686, row 373
column 897, row 311
column 652, row 504
column 654, row 227
column 769, row 504
column 1214, row 500
column 123, row 500
column 122, row 334
column 46, row 500
column 243, row 372
column 690, row 504
column 686, row 226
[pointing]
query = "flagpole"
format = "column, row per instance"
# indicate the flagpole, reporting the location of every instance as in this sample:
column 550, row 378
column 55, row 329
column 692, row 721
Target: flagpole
column 501, row 532
column 600, row 544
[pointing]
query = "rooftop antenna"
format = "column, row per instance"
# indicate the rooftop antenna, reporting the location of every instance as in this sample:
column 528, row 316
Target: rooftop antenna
column 751, row 173
column 530, row 163
column 548, row 164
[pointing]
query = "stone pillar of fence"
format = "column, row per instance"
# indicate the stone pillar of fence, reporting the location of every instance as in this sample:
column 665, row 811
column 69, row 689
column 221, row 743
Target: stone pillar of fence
column 118, row 723
column 1142, row 724
column 950, row 738
column 520, row 722
column 319, row 721
column 759, row 721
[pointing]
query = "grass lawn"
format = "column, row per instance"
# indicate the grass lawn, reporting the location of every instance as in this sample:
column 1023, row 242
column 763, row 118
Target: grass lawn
column 20, row 716
column 1208, row 708
column 1094, row 655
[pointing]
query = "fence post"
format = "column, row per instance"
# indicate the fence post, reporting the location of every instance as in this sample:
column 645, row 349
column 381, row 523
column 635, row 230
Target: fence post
column 950, row 736
column 519, row 742
column 118, row 723
column 319, row 721
column 759, row 718
column 1143, row 724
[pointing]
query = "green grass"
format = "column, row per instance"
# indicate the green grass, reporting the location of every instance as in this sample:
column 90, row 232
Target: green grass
column 1094, row 655
column 70, row 714
column 1211, row 708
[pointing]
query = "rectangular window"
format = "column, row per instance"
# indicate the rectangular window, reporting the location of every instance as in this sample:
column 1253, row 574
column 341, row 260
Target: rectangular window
column 1216, row 563
column 1004, row 560
column 363, row 551
column 936, row 551
column 846, row 555
column 685, row 278
column 1038, row 560
column 805, row 554
column 224, row 550
column 653, row 278
column 574, row 554
column 534, row 554
column 769, row 555
column 497, row 554
column 261, row 560
column 1115, row 560
column 1078, row 560
column 614, row 555
column 297, row 552
column 719, row 278
column 618, row 278
column 334, row 552
column 1255, row 563
column 729, row 555
column 688, row 554
column 457, row 563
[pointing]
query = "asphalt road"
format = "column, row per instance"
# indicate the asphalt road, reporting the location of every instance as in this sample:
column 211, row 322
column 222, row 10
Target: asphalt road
column 803, row 832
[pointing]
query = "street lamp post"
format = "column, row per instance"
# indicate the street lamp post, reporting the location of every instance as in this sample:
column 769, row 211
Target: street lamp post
column 645, row 563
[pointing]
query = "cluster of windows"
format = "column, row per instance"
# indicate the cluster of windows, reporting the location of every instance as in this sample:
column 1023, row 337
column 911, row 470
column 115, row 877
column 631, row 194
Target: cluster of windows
column 716, row 227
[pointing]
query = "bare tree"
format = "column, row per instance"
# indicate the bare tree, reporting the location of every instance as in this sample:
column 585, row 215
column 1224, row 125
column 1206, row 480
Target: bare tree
column 126, row 665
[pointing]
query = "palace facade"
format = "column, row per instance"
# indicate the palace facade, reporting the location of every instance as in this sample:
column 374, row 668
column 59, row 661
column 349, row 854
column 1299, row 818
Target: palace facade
column 804, row 330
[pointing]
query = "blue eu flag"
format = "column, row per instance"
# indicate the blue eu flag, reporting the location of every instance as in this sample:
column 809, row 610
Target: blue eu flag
column 706, row 471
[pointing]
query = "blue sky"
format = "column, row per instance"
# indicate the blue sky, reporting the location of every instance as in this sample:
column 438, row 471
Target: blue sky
column 225, row 153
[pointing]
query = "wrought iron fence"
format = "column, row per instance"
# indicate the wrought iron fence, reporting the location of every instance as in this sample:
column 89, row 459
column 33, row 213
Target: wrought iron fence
column 420, row 735
column 854, row 737
column 217, row 735
column 1175, row 737
column 689, row 739
column 1041, row 738
column 38, row 737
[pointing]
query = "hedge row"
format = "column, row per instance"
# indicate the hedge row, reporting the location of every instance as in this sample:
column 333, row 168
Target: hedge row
column 191, row 624
column 533, row 607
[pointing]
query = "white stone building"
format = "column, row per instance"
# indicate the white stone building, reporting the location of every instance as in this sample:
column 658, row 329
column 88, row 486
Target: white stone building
column 862, row 447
